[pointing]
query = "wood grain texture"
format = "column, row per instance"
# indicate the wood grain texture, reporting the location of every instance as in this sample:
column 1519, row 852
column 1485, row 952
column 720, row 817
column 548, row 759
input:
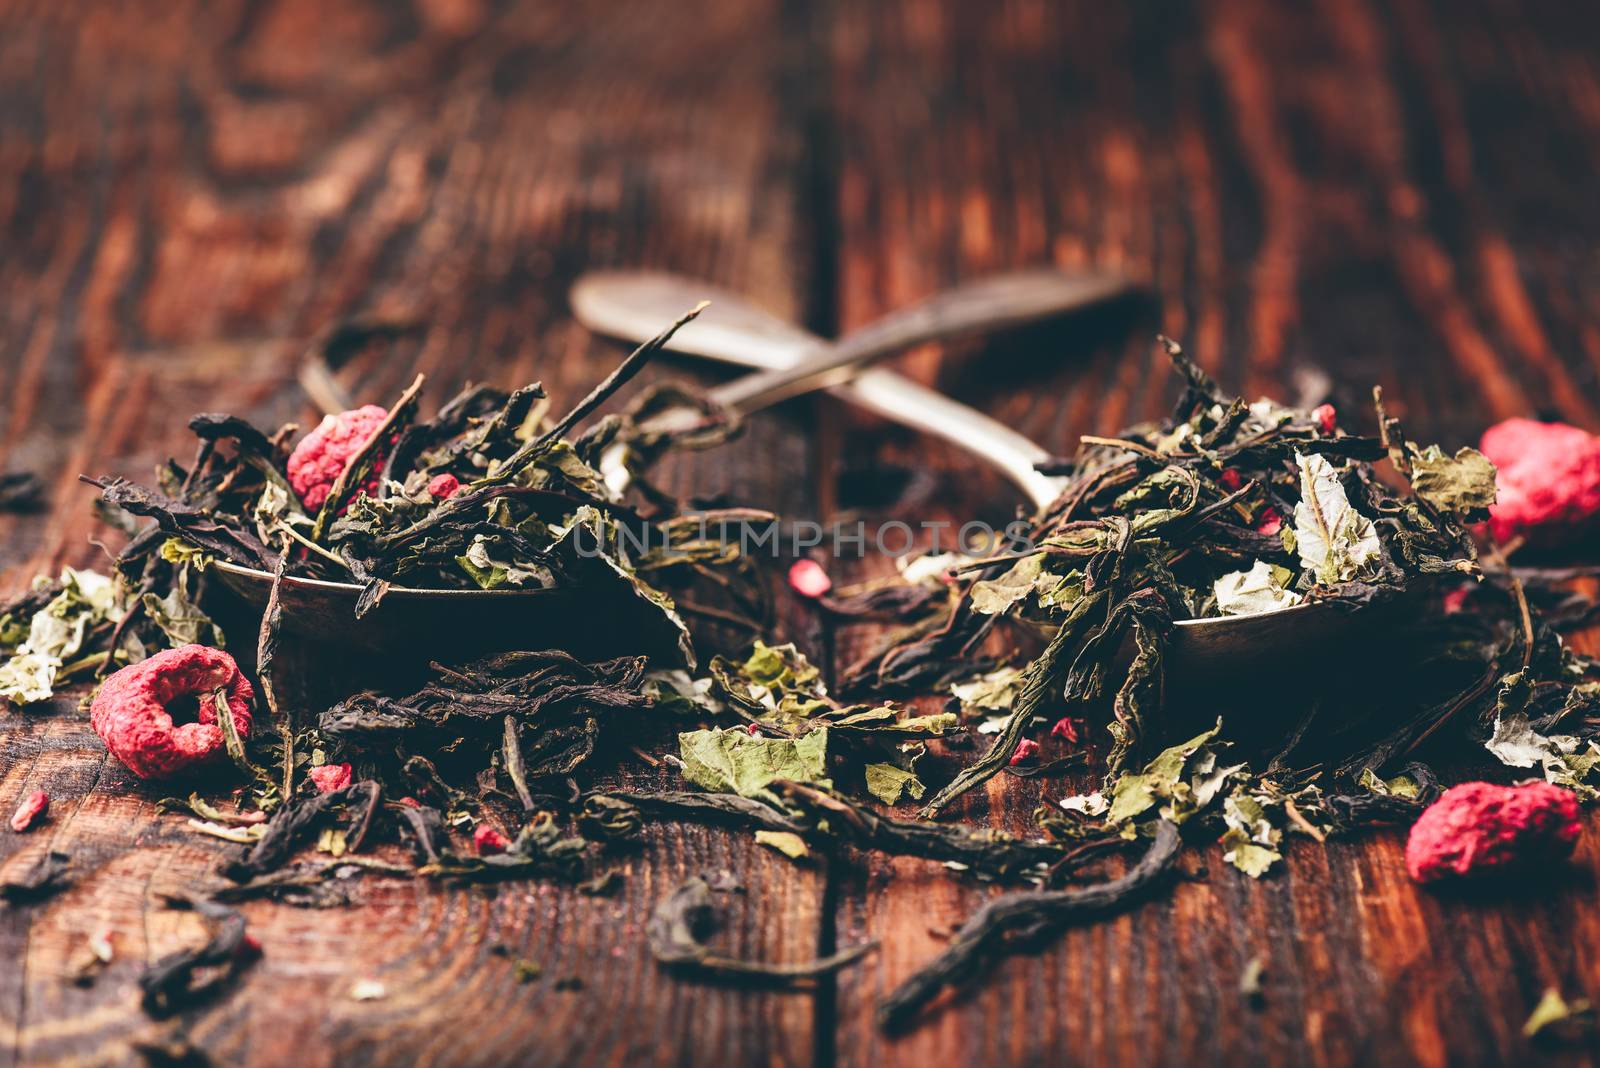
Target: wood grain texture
column 193, row 191
column 1394, row 193
column 1311, row 190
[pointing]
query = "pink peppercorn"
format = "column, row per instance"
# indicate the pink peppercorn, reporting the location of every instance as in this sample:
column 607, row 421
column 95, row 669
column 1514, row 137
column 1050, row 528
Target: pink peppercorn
column 330, row 777
column 443, row 485
column 322, row 455
column 133, row 711
column 1327, row 418
column 1478, row 828
column 1230, row 479
column 488, row 840
column 1069, row 730
column 753, row 729
column 1548, row 478
column 1027, row 751
column 29, row 812
column 807, row 578
column 1270, row 522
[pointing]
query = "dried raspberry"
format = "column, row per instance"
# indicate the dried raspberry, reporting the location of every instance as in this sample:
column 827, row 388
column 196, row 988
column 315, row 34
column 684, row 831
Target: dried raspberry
column 133, row 711
column 330, row 777
column 321, row 456
column 1548, row 477
column 1069, row 730
column 1477, row 827
column 28, row 813
column 1027, row 751
column 488, row 840
column 443, row 485
column 1270, row 522
column 1327, row 418
column 808, row 579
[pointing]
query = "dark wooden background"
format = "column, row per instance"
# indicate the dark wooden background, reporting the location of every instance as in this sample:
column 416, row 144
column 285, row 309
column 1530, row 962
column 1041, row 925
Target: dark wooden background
column 1397, row 193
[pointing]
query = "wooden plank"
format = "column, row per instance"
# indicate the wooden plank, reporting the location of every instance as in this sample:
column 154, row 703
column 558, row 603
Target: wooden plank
column 188, row 191
column 1390, row 197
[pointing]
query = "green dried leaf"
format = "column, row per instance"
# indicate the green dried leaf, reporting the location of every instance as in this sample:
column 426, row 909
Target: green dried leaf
column 1335, row 542
column 890, row 784
column 180, row 618
column 1264, row 588
column 1161, row 779
column 1554, row 1010
column 732, row 761
column 1252, row 858
column 788, row 843
column 1399, row 786
column 56, row 633
column 1461, row 483
column 993, row 596
column 490, row 572
column 994, row 690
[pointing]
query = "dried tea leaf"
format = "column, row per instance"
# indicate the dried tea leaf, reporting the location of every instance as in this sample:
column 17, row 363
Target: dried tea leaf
column 1264, row 588
column 993, row 596
column 1161, row 779
column 891, row 784
column 682, row 920
column 1461, row 483
column 1555, row 1011
column 1250, row 841
column 733, row 761
column 1334, row 541
column 992, row 691
column 788, row 843
column 56, row 633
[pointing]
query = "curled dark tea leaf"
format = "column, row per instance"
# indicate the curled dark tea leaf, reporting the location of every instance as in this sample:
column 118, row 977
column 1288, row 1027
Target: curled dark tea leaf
column 1007, row 924
column 191, row 976
column 686, row 916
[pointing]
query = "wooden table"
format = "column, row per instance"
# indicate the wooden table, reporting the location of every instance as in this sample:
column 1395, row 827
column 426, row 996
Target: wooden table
column 1391, row 193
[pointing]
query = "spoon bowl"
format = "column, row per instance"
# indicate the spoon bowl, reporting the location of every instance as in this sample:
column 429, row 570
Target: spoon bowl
column 456, row 624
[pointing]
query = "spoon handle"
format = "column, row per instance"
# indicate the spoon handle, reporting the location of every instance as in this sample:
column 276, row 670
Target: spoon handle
column 631, row 305
column 995, row 303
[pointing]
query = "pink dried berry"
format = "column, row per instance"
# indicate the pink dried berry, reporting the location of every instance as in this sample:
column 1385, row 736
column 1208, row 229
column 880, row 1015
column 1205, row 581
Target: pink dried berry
column 28, row 813
column 330, row 777
column 1548, row 478
column 808, row 579
column 1070, row 730
column 488, row 840
column 1027, row 752
column 322, row 455
column 443, row 485
column 1478, row 827
column 1327, row 418
column 133, row 712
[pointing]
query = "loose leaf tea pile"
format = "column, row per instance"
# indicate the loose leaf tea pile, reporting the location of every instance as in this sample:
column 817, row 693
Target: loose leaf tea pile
column 507, row 766
column 488, row 494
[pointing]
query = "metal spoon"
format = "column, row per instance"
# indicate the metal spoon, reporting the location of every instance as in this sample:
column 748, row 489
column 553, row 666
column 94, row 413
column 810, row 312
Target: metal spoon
column 442, row 621
column 625, row 304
